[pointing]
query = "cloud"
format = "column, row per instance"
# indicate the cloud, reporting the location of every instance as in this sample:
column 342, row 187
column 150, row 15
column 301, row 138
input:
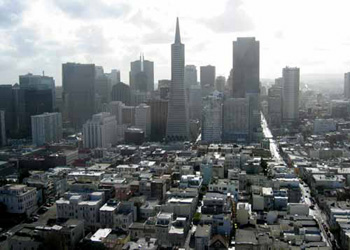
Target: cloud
column 233, row 19
column 157, row 37
column 91, row 40
column 91, row 9
column 10, row 12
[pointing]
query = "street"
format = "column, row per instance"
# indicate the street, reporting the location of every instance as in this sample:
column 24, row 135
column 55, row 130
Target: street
column 305, row 190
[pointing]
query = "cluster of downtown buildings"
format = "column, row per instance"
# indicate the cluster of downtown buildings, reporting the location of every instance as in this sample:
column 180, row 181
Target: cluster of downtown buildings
column 215, row 164
column 108, row 111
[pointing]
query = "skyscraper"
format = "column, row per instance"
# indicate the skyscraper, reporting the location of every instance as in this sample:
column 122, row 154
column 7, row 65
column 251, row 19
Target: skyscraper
column 159, row 116
column 246, row 78
column 46, row 128
column 275, row 106
column 3, row 139
column 236, row 120
column 121, row 92
column 212, row 119
column 245, row 66
column 78, row 82
column 142, row 75
column 190, row 76
column 207, row 78
column 143, row 118
column 103, row 85
column 178, row 126
column 290, row 89
column 347, row 85
column 7, row 104
column 37, row 97
column 220, row 83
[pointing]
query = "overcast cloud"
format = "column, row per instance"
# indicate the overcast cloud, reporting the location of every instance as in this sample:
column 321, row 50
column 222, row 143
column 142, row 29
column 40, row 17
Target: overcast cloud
column 40, row 35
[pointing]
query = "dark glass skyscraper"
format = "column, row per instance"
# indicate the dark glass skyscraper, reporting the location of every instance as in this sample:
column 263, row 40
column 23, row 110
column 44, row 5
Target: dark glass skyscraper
column 78, row 82
column 37, row 96
column 246, row 79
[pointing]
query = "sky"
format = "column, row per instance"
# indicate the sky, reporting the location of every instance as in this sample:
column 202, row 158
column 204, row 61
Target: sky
column 40, row 35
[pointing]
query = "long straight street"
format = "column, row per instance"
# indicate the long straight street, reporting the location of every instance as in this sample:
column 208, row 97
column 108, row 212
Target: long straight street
column 305, row 190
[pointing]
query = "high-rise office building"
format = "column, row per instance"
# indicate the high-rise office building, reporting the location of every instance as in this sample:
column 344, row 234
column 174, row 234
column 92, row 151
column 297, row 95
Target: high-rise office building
column 103, row 85
column 212, row 119
column 190, row 76
column 100, row 131
column 37, row 97
column 246, row 78
column 164, row 88
column 7, row 104
column 347, row 85
column 195, row 102
column 207, row 78
column 78, row 81
column 290, row 89
column 177, row 124
column 114, row 76
column 159, row 117
column 246, row 72
column 236, row 120
column 275, row 106
column 143, row 118
column 3, row 138
column 121, row 92
column 220, row 83
column 142, row 75
column 46, row 128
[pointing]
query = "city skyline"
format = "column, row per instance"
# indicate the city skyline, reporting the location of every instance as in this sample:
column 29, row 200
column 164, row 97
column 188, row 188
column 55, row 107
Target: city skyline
column 118, row 31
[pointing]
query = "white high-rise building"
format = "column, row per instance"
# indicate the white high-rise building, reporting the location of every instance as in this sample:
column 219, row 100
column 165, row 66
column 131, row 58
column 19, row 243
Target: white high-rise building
column 178, row 123
column 212, row 119
column 347, row 85
column 290, row 90
column 46, row 128
column 143, row 118
column 100, row 131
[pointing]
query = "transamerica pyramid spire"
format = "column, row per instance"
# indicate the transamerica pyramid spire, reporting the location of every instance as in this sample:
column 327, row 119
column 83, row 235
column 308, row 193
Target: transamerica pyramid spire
column 177, row 34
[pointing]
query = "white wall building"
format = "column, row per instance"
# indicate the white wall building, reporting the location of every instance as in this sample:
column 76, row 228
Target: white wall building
column 18, row 199
column 290, row 90
column 46, row 128
column 143, row 118
column 100, row 131
column 81, row 206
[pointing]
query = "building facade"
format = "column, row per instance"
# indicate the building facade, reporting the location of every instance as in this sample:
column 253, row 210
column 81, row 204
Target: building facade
column 46, row 128
column 212, row 119
column 177, row 124
column 207, row 78
column 236, row 120
column 143, row 118
column 159, row 117
column 290, row 88
column 19, row 199
column 100, row 131
column 347, row 85
column 78, row 81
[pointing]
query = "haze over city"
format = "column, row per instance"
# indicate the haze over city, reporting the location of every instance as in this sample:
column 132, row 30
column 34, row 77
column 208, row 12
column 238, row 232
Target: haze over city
column 168, row 125
column 40, row 35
